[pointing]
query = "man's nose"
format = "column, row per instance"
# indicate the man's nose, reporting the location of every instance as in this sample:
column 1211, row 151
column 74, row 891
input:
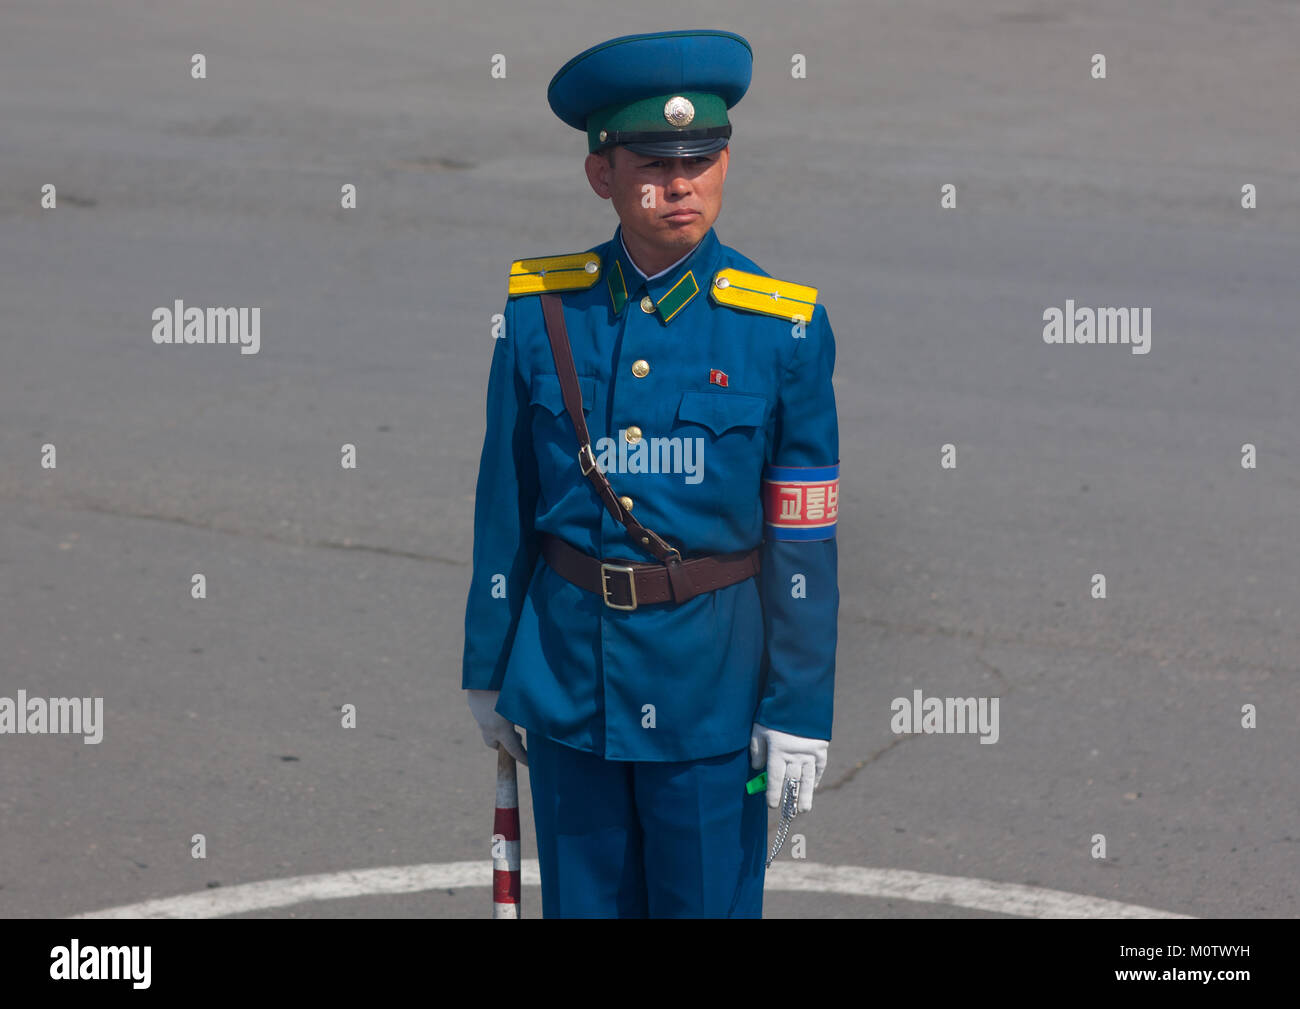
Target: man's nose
column 678, row 181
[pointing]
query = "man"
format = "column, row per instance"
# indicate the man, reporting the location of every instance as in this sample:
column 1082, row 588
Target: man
column 658, row 607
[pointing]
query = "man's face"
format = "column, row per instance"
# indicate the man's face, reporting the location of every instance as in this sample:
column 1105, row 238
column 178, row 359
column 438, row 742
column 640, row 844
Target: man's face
column 665, row 204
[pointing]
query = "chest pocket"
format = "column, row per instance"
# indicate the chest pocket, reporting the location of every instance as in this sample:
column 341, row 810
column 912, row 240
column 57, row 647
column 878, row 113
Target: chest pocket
column 546, row 393
column 720, row 412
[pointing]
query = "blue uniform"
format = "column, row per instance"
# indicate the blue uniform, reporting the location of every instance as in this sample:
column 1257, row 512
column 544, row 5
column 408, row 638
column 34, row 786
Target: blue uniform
column 713, row 415
column 635, row 839
column 737, row 406
column 707, row 394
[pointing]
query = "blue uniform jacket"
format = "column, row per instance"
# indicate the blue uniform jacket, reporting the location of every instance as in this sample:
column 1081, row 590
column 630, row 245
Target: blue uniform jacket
column 739, row 445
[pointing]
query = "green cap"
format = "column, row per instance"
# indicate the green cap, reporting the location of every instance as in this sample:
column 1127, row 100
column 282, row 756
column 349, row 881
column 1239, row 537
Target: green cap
column 641, row 125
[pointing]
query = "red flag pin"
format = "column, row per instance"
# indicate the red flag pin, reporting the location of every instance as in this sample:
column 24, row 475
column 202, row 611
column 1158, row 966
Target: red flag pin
column 717, row 377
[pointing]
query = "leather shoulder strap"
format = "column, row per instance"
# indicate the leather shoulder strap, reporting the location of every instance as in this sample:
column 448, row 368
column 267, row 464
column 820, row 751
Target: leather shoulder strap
column 553, row 313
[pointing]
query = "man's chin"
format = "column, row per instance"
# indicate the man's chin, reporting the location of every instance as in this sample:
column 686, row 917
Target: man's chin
column 683, row 233
column 674, row 238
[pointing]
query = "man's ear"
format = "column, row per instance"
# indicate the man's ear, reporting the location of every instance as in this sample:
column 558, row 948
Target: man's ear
column 598, row 174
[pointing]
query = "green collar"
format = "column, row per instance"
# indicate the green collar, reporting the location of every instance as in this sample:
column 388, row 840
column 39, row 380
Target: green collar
column 670, row 293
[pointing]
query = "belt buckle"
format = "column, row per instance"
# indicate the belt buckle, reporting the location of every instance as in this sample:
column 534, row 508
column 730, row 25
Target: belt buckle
column 626, row 569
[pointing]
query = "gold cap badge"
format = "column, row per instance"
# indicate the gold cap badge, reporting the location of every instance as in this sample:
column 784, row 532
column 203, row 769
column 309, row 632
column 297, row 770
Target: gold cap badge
column 679, row 111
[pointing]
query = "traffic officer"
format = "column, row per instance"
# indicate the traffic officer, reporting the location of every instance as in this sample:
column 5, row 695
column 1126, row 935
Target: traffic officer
column 657, row 604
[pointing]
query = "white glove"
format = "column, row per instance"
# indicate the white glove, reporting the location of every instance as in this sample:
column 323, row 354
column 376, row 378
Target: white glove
column 787, row 755
column 497, row 731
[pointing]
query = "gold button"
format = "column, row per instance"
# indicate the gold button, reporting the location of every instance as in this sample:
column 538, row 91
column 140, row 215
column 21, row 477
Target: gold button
column 632, row 434
column 640, row 368
column 647, row 305
column 626, row 502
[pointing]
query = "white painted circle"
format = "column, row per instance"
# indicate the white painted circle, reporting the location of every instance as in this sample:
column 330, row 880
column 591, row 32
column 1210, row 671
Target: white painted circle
column 807, row 877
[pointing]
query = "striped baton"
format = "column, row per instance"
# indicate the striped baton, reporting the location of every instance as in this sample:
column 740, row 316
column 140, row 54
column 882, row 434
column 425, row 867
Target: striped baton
column 505, row 840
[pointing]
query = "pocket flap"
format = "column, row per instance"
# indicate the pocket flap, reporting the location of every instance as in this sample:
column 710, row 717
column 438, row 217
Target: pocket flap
column 720, row 411
column 546, row 392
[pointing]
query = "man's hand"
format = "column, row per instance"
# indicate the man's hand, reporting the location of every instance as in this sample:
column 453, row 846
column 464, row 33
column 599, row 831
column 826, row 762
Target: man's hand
column 784, row 754
column 497, row 731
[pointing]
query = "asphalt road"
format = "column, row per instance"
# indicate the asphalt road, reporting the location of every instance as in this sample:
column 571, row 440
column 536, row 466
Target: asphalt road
column 327, row 586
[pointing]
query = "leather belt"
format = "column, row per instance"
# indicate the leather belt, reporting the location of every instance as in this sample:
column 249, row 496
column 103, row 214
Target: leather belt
column 626, row 584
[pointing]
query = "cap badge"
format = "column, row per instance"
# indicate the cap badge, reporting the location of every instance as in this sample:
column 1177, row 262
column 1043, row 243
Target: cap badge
column 679, row 111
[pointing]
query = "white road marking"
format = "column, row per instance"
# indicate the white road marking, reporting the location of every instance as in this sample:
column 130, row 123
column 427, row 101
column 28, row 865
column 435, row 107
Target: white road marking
column 960, row 891
column 808, row 877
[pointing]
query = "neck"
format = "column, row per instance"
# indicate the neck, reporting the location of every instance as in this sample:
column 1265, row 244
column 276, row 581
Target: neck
column 650, row 259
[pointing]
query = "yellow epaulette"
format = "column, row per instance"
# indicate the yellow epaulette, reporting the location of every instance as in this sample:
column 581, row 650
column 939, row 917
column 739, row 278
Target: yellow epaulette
column 755, row 293
column 554, row 273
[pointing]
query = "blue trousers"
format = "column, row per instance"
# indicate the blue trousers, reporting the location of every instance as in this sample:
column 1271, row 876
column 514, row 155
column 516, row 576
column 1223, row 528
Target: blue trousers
column 630, row 839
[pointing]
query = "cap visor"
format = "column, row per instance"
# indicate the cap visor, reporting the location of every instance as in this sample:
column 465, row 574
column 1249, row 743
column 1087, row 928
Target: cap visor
column 679, row 148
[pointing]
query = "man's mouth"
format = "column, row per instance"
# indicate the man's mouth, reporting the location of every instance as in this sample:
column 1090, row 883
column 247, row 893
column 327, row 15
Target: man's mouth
column 681, row 215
